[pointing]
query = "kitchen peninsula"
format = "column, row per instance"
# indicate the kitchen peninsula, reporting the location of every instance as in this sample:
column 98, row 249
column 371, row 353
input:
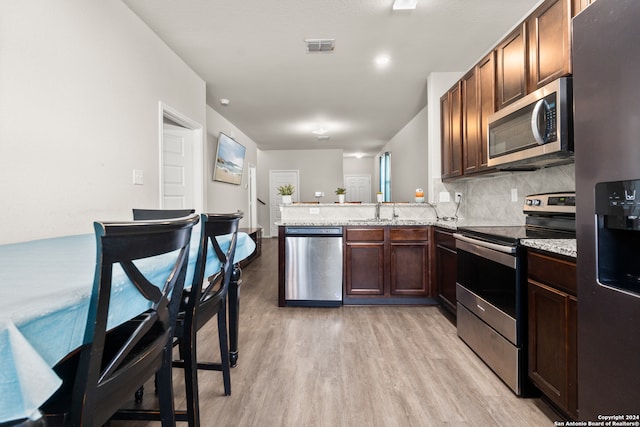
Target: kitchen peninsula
column 389, row 253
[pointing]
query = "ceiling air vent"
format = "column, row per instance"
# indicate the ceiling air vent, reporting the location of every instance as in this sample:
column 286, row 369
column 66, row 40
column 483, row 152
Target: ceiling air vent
column 320, row 45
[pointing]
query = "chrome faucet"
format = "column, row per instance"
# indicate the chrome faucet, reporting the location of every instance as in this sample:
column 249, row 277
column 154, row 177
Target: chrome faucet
column 378, row 211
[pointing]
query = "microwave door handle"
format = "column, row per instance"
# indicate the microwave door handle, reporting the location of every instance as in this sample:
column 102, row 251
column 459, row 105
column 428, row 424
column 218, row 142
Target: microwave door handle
column 540, row 138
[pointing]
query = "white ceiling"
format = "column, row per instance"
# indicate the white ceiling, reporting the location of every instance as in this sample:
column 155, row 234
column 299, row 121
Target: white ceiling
column 252, row 52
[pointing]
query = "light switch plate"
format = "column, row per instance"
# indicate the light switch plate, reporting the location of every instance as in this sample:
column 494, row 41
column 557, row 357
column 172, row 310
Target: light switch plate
column 514, row 194
column 138, row 177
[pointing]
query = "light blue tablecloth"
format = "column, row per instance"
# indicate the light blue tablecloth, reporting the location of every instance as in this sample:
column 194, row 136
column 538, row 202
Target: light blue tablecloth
column 45, row 287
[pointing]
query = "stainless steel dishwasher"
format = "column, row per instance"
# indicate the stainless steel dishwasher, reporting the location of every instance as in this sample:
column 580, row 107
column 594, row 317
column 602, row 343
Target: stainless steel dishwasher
column 313, row 266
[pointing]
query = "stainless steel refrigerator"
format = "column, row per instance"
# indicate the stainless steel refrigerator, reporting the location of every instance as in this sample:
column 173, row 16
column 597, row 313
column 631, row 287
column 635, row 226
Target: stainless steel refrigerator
column 606, row 86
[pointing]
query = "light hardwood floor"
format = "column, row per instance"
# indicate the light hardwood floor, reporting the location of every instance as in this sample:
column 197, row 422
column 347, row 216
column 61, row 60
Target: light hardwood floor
column 350, row 366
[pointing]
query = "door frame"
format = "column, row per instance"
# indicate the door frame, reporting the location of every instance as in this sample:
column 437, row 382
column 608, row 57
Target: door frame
column 165, row 111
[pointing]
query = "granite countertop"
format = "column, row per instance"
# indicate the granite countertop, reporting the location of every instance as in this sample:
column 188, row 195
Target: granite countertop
column 370, row 222
column 566, row 247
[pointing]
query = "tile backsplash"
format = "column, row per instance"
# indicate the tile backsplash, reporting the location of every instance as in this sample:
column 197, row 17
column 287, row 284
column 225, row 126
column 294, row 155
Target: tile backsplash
column 490, row 198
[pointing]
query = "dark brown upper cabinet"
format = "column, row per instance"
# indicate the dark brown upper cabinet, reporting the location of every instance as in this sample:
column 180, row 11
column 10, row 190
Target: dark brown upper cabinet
column 534, row 54
column 580, row 5
column 511, row 67
column 451, row 128
column 548, row 30
column 478, row 103
column 486, row 71
column 470, row 125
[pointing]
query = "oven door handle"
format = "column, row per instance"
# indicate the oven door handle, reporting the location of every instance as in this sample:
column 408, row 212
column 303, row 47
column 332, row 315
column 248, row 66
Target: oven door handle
column 504, row 255
column 488, row 245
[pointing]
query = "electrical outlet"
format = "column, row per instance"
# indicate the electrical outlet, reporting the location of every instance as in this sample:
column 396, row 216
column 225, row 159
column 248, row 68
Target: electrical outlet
column 458, row 197
column 314, row 211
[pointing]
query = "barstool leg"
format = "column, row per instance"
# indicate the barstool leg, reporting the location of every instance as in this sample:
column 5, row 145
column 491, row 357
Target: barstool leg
column 191, row 376
column 224, row 349
column 234, row 313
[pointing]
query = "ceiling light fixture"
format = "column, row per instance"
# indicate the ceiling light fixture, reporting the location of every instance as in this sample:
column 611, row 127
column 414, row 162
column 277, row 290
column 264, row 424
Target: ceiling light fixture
column 224, row 101
column 319, row 131
column 359, row 155
column 382, row 60
column 323, row 137
column 404, row 4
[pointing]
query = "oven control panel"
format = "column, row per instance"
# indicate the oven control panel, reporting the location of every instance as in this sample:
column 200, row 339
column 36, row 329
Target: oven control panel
column 550, row 203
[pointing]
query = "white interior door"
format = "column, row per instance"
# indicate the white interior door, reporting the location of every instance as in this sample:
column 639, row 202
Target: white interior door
column 181, row 152
column 177, row 167
column 358, row 188
column 276, row 179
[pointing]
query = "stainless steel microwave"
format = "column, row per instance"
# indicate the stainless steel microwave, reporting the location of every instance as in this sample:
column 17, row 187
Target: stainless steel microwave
column 535, row 131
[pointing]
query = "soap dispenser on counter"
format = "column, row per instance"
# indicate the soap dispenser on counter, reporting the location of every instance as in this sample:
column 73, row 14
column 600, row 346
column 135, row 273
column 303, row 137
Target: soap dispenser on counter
column 419, row 195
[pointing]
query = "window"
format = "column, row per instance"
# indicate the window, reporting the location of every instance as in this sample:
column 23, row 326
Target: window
column 385, row 176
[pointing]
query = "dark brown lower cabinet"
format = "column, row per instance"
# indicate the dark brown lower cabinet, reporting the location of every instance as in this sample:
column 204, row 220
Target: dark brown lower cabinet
column 446, row 268
column 364, row 261
column 386, row 262
column 552, row 304
column 409, row 262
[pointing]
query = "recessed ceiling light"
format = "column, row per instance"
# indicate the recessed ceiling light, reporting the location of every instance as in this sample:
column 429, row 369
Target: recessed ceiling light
column 382, row 60
column 224, row 101
column 319, row 131
column 404, row 4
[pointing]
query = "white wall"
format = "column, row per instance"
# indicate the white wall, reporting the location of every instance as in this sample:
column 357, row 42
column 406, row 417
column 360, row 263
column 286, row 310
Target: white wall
column 80, row 86
column 223, row 197
column 320, row 170
column 409, row 158
column 355, row 166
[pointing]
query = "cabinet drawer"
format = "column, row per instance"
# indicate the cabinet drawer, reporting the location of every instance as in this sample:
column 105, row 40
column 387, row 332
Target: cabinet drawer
column 409, row 234
column 556, row 272
column 365, row 234
column 445, row 239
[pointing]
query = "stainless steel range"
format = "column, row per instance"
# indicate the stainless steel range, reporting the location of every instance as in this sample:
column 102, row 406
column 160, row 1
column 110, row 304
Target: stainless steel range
column 491, row 284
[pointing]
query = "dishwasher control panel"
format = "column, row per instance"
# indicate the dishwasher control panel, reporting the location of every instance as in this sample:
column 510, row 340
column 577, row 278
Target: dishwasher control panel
column 313, row 231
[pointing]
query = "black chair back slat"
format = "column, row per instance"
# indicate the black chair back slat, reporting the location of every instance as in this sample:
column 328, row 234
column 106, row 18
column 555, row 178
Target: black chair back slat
column 143, row 214
column 145, row 287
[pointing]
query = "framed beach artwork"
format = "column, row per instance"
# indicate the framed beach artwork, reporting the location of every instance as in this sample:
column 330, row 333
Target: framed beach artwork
column 229, row 160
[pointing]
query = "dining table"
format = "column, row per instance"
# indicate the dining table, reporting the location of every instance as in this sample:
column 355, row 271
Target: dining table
column 45, row 287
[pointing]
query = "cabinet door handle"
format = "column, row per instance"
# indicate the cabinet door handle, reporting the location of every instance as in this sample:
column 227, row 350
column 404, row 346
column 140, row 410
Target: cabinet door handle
column 480, row 307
